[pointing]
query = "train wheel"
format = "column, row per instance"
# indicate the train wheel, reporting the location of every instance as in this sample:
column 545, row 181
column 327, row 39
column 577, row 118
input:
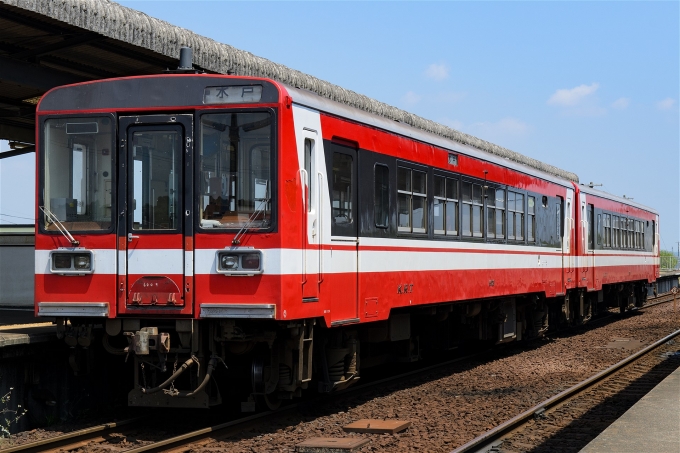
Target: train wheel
column 272, row 401
column 259, row 376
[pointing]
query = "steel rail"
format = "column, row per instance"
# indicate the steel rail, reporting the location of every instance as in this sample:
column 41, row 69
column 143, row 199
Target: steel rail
column 660, row 299
column 487, row 441
column 69, row 438
column 199, row 434
column 92, row 432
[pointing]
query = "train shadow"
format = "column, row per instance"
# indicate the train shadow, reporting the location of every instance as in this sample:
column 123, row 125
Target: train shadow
column 579, row 432
column 321, row 406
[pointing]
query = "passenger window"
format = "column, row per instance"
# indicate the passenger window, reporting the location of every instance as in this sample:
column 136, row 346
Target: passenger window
column 445, row 206
column 381, row 199
column 615, row 229
column 531, row 219
column 511, row 218
column 412, row 200
column 477, row 211
column 599, row 229
column 630, row 233
column 515, row 216
column 342, row 189
column 491, row 214
column 466, row 195
column 473, row 210
column 607, row 230
column 500, row 213
column 451, row 223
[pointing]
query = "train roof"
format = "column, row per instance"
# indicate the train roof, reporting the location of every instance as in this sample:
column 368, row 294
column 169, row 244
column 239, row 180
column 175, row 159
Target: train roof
column 502, row 157
column 134, row 27
column 606, row 195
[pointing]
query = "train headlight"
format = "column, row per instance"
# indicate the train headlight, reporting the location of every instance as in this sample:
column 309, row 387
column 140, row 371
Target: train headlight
column 229, row 262
column 82, row 261
column 61, row 260
column 244, row 262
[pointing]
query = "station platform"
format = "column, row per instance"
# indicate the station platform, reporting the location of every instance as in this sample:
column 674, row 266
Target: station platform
column 651, row 425
column 20, row 327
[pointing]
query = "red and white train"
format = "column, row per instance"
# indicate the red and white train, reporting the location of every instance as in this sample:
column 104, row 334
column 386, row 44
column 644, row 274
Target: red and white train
column 207, row 219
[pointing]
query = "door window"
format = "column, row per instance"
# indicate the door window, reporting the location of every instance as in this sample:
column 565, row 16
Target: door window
column 155, row 180
column 342, row 189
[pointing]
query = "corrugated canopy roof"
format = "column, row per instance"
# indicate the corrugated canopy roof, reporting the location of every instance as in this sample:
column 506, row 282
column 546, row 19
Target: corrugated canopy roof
column 47, row 43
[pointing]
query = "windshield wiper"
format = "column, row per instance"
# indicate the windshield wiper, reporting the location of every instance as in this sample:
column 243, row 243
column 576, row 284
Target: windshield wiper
column 251, row 220
column 62, row 229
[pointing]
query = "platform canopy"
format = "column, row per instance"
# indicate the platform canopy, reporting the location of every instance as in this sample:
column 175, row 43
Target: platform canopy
column 47, row 43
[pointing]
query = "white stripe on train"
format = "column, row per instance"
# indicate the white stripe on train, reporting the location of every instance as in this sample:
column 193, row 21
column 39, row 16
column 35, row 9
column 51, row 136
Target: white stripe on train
column 290, row 261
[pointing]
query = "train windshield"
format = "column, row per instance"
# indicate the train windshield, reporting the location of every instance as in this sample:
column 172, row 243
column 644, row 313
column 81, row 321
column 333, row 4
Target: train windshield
column 78, row 163
column 235, row 170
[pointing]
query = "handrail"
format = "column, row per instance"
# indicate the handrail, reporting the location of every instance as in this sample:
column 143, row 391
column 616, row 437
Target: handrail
column 320, row 221
column 303, row 184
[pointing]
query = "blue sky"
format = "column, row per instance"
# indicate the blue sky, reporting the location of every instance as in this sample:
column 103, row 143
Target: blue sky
column 591, row 87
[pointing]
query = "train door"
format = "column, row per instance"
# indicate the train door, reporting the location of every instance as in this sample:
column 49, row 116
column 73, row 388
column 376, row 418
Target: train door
column 341, row 164
column 567, row 249
column 586, row 246
column 155, row 250
column 583, row 259
column 310, row 156
column 590, row 246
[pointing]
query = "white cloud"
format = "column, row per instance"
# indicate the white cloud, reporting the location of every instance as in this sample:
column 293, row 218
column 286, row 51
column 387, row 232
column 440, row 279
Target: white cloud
column 411, row 98
column 621, row 103
column 666, row 104
column 437, row 71
column 569, row 97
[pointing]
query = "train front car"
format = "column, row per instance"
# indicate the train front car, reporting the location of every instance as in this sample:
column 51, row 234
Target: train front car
column 163, row 200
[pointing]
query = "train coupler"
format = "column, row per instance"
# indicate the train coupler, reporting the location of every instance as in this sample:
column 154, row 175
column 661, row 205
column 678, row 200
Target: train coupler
column 148, row 339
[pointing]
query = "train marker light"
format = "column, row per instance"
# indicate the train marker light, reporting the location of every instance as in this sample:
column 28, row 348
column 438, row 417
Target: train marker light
column 62, row 261
column 251, row 261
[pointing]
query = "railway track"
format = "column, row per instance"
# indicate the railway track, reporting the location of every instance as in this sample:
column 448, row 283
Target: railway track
column 184, row 442
column 534, row 429
column 195, row 439
column 76, row 439
column 199, row 438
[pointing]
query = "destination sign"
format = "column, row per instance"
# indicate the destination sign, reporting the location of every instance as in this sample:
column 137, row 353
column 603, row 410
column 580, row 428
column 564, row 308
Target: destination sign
column 232, row 94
